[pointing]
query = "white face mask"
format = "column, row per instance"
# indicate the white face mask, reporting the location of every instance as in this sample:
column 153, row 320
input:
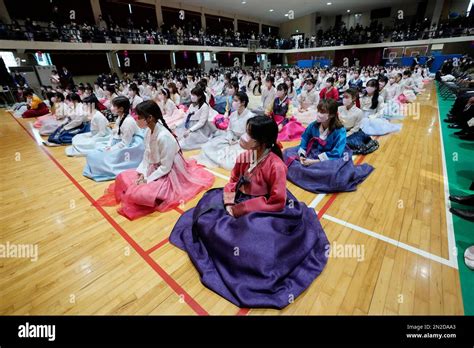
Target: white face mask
column 370, row 90
column 194, row 98
column 322, row 117
column 347, row 101
column 247, row 143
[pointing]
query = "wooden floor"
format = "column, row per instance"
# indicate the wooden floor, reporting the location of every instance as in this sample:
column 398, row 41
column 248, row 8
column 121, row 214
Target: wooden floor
column 94, row 261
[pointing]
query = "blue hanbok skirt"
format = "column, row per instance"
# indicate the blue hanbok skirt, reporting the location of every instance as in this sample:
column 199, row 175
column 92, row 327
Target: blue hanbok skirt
column 106, row 165
column 260, row 259
column 64, row 137
column 336, row 175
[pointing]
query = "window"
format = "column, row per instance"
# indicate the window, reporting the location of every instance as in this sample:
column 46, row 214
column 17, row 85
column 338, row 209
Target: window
column 9, row 59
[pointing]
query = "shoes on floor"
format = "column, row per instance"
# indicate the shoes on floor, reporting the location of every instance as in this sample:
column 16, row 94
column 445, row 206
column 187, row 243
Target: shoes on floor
column 468, row 136
column 455, row 126
column 463, row 213
column 465, row 200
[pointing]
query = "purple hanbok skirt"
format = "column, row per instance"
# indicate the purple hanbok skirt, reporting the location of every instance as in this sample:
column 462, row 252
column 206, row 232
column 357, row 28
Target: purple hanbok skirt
column 258, row 260
column 337, row 175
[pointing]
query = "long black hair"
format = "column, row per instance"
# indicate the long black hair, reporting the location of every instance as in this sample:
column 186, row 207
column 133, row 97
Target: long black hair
column 150, row 109
column 198, row 92
column 375, row 98
column 122, row 102
column 265, row 131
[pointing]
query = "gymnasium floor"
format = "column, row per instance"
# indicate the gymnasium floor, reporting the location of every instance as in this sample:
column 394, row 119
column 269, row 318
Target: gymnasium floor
column 94, row 261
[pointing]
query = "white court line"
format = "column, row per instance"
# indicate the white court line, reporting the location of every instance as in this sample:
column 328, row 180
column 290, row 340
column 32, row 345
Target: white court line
column 316, row 201
column 391, row 241
column 36, row 134
column 394, row 242
column 452, row 249
column 222, row 176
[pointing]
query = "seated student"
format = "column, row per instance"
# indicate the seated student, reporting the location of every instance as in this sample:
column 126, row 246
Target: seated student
column 288, row 127
column 282, row 247
column 97, row 138
column 407, row 88
column 322, row 162
column 356, row 82
column 329, row 91
column 307, row 102
column 223, row 104
column 351, row 117
column 372, row 105
column 98, row 91
column 124, row 150
column 75, row 123
column 257, row 87
column 341, row 86
column 134, row 97
column 110, row 94
column 174, row 93
column 196, row 130
column 183, row 91
column 222, row 150
column 268, row 96
column 50, row 122
column 164, row 179
column 173, row 116
column 291, row 89
column 35, row 106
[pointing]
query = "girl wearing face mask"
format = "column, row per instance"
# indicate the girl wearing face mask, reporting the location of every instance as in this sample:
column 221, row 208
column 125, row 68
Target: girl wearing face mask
column 356, row 82
column 289, row 128
column 329, row 91
column 322, row 163
column 167, row 106
column 124, row 149
column 47, row 124
column 268, row 96
column 97, row 138
column 110, row 94
column 164, row 179
column 222, row 150
column 34, row 105
column 351, row 117
column 373, row 107
column 291, row 88
column 185, row 95
column 134, row 97
column 75, row 122
column 341, row 86
column 195, row 131
column 307, row 102
column 407, row 88
column 256, row 211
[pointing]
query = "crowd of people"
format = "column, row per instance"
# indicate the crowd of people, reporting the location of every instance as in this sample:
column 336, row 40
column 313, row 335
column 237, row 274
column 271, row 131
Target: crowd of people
column 134, row 129
column 193, row 34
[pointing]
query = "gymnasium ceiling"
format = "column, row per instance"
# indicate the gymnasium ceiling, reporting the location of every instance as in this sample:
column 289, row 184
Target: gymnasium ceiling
column 261, row 8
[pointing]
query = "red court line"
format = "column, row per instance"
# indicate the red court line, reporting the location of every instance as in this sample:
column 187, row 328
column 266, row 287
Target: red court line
column 152, row 263
column 156, row 247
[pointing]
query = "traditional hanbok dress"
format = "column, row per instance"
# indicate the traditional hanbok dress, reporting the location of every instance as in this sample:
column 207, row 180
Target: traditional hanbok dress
column 335, row 173
column 47, row 124
column 198, row 125
column 134, row 101
column 224, row 148
column 307, row 100
column 374, row 123
column 36, row 108
column 76, row 122
column 280, row 112
column 357, row 140
column 126, row 152
column 173, row 116
column 97, row 138
column 267, row 98
column 266, row 255
column 170, row 179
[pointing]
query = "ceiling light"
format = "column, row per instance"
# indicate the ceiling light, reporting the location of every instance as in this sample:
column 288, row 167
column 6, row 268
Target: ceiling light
column 348, row 11
column 286, row 15
column 244, row 2
column 271, row 10
column 329, row 3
